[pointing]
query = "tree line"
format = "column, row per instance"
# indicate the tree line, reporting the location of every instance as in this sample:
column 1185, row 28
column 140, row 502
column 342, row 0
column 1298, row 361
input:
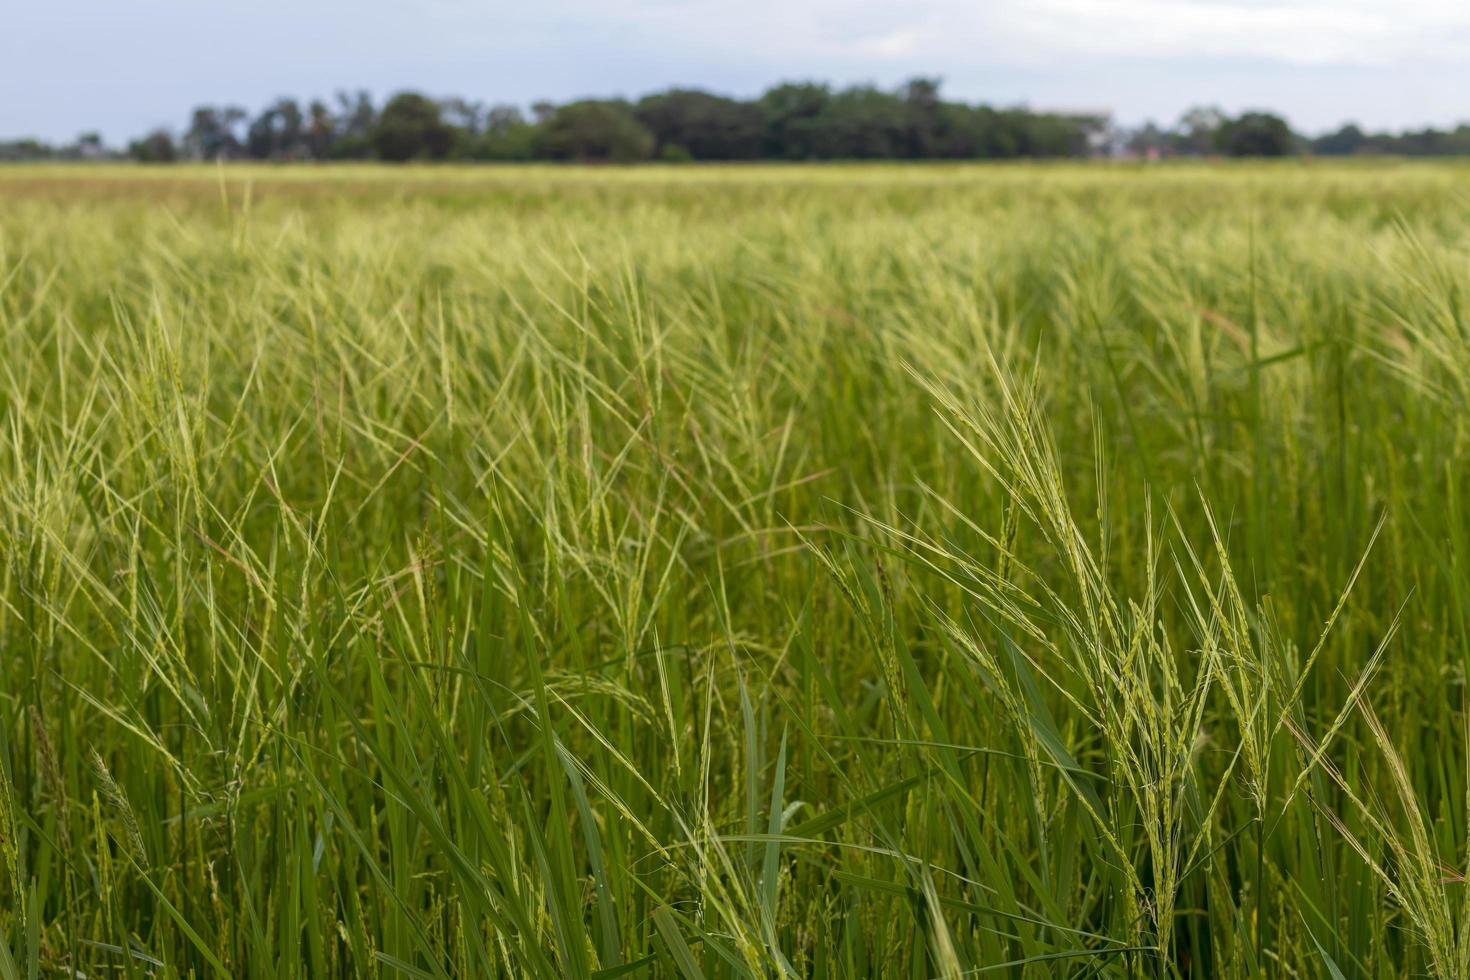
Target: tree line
column 790, row 121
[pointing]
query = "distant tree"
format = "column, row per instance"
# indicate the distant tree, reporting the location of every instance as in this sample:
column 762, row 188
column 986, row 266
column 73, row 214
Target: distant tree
column 860, row 123
column 1418, row 143
column 321, row 130
column 463, row 114
column 1148, row 140
column 466, row 119
column 157, row 147
column 89, row 146
column 1256, row 134
column 790, row 121
column 792, row 111
column 355, row 121
column 968, row 132
column 501, row 118
column 26, row 149
column 212, row 132
column 704, row 126
column 506, row 136
column 1197, row 133
column 1457, row 140
column 1046, row 134
column 1346, row 140
column 278, row 133
column 412, row 128
column 594, row 131
column 806, row 121
column 924, row 118
column 1426, row 142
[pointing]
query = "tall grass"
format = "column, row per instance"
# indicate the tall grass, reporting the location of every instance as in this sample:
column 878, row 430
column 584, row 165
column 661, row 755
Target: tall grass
column 778, row 572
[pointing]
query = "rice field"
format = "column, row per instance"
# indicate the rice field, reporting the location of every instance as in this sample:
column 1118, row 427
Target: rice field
column 893, row 571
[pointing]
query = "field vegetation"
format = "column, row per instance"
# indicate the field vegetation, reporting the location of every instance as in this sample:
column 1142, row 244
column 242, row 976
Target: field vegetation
column 895, row 571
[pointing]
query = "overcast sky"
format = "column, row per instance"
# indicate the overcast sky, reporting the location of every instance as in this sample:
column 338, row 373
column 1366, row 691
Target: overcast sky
column 124, row 66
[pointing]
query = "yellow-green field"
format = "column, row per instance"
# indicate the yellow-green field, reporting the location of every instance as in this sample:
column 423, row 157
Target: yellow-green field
column 713, row 572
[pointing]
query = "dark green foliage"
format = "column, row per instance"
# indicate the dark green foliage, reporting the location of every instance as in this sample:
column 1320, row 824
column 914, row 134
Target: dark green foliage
column 1351, row 139
column 157, row 147
column 506, row 135
column 212, row 133
column 594, row 131
column 703, row 126
column 790, row 121
column 793, row 112
column 1255, row 134
column 410, row 128
column 278, row 133
column 1342, row 142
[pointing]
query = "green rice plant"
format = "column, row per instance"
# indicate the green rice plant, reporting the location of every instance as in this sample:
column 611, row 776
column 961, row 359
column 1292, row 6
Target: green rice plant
column 717, row 572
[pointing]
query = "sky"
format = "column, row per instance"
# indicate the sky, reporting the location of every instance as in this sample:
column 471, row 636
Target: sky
column 126, row 66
